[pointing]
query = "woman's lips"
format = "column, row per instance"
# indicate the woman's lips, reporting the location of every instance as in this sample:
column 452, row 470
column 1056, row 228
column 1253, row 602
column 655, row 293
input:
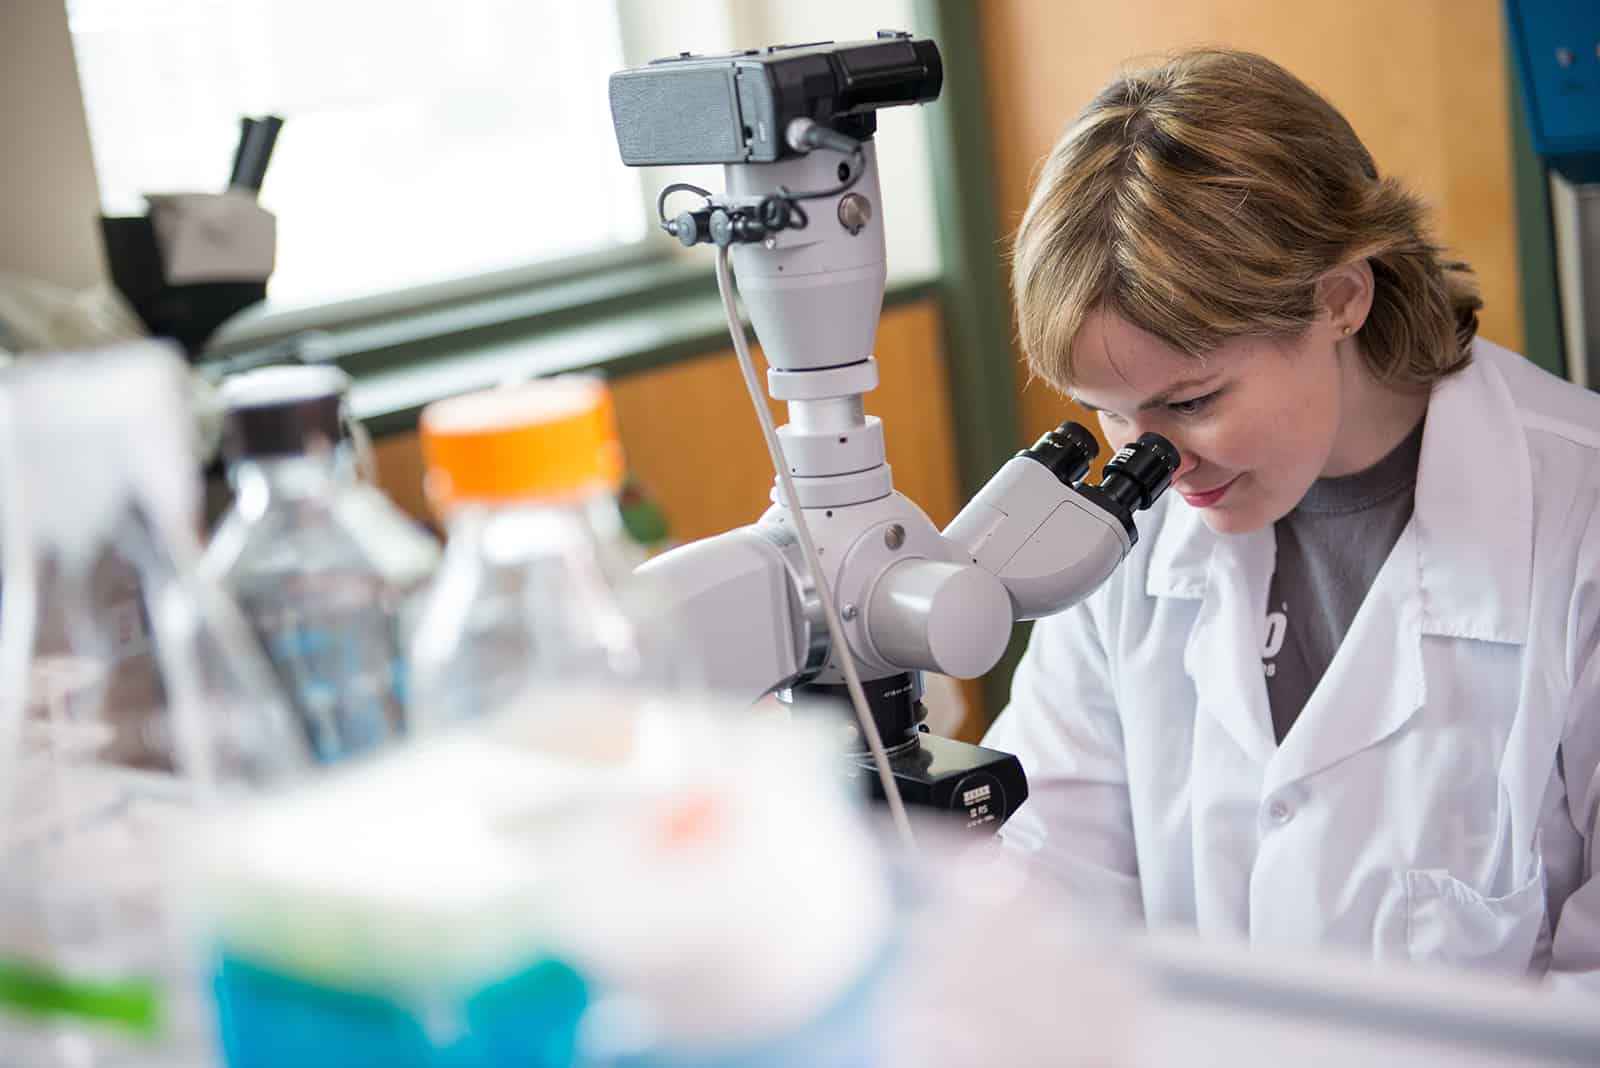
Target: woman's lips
column 1209, row 497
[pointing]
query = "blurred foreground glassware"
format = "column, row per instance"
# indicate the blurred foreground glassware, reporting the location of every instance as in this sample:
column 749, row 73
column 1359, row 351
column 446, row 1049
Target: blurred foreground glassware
column 620, row 886
column 324, row 568
column 131, row 696
column 536, row 579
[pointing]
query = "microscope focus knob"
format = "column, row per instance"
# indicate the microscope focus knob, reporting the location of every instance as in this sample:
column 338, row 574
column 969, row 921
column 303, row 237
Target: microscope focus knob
column 934, row 616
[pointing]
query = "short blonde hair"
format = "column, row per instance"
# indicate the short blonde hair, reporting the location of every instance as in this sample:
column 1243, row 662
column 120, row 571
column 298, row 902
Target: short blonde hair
column 1202, row 199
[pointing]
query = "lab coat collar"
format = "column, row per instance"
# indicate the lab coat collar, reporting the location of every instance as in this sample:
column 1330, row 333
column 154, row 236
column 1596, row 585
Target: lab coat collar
column 1223, row 653
column 1474, row 548
column 1474, row 506
column 1180, row 560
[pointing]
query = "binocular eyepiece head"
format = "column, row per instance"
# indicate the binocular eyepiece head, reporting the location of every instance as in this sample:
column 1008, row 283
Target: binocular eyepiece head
column 1133, row 479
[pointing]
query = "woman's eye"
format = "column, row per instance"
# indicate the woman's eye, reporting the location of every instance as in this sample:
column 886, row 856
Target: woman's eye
column 1193, row 406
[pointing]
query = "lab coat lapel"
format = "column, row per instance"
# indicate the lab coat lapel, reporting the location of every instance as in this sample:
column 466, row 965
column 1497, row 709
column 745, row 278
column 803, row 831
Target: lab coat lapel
column 1223, row 655
column 1375, row 682
column 1475, row 550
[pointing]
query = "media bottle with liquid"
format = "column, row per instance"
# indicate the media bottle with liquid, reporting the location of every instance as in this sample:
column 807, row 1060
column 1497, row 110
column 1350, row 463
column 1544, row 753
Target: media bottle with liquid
column 303, row 549
column 536, row 588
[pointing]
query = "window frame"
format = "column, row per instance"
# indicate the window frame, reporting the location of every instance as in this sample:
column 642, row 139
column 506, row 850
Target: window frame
column 421, row 312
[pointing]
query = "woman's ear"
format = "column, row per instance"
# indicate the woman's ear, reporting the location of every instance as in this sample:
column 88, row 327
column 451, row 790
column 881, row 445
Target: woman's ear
column 1345, row 296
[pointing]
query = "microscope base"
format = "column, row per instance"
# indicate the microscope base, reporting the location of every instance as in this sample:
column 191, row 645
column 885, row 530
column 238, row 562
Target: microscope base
column 978, row 787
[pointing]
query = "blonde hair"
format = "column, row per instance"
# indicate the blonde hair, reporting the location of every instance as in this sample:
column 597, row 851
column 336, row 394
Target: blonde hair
column 1203, row 199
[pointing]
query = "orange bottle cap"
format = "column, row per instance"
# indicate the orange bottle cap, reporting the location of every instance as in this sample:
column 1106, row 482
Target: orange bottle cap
column 551, row 438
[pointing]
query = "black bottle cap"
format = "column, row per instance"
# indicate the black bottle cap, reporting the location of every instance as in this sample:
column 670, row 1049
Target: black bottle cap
column 283, row 411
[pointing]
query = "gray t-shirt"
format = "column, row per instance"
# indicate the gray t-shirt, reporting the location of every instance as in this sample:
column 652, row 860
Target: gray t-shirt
column 1330, row 548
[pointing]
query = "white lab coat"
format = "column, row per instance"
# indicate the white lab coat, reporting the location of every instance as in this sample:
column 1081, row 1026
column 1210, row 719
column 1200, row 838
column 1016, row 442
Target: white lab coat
column 1436, row 801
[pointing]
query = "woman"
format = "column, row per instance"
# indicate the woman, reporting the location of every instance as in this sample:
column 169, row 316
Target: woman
column 1345, row 690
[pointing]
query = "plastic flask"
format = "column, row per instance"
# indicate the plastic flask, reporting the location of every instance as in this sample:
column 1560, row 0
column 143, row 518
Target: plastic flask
column 131, row 697
column 533, row 589
column 298, row 553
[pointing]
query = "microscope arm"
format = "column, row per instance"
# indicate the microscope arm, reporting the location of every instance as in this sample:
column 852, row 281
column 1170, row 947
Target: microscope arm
column 1035, row 540
column 742, row 604
column 732, row 600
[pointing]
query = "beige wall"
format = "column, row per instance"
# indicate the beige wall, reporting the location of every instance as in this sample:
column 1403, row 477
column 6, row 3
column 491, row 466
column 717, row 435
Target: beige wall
column 48, row 198
column 1423, row 82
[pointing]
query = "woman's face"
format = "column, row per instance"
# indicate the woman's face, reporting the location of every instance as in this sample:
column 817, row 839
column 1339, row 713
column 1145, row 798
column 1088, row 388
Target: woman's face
column 1256, row 422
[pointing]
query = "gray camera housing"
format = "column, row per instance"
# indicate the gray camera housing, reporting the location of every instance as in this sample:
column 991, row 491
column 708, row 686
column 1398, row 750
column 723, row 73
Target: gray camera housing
column 735, row 107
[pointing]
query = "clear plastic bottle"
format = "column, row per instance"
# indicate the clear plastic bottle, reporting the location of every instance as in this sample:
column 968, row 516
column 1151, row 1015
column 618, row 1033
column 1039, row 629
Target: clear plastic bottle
column 132, row 699
column 301, row 549
column 533, row 588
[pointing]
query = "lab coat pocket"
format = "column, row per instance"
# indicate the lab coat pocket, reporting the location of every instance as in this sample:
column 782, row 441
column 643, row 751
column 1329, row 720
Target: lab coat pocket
column 1448, row 922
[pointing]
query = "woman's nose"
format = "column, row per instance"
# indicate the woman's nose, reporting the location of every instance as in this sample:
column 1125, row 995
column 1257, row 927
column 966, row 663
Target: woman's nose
column 1186, row 463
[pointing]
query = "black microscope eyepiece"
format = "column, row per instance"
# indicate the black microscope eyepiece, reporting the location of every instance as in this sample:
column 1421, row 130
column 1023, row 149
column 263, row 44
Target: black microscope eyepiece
column 1067, row 451
column 1133, row 479
column 1140, row 473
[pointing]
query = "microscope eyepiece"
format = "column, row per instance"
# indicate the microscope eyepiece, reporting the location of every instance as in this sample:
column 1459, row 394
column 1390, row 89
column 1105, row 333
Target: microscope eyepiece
column 1139, row 473
column 1067, row 451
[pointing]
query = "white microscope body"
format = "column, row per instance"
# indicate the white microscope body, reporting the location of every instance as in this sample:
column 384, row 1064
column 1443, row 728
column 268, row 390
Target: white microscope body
column 910, row 598
column 814, row 296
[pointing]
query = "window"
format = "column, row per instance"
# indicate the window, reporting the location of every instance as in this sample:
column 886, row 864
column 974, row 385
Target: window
column 433, row 142
column 423, row 141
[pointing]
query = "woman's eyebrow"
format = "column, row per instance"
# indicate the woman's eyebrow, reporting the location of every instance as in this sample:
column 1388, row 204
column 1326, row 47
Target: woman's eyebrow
column 1183, row 385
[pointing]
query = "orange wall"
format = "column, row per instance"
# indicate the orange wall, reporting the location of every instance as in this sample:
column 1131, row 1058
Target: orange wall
column 1423, row 82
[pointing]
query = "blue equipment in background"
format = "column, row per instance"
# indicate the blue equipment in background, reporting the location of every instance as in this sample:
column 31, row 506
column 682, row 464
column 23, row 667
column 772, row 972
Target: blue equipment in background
column 1555, row 48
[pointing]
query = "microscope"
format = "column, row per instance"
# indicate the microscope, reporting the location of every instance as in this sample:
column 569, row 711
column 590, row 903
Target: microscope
column 844, row 588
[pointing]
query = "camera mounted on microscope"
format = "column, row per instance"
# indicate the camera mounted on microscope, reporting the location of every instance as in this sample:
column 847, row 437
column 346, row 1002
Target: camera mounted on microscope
column 763, row 105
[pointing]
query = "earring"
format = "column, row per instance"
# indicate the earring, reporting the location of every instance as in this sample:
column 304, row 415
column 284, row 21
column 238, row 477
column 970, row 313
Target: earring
column 1347, row 331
